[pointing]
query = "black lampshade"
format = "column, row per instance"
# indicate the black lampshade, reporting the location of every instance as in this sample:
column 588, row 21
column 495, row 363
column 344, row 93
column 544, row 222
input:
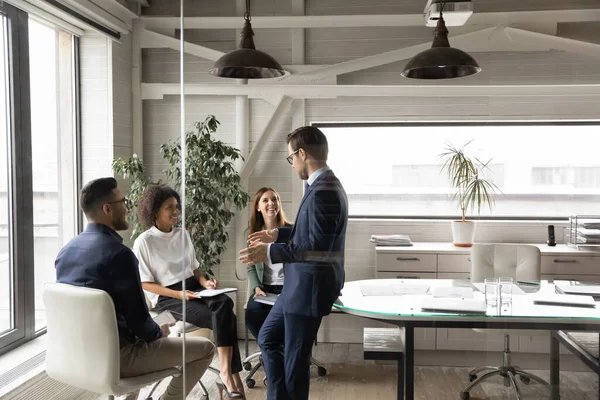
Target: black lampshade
column 441, row 61
column 246, row 62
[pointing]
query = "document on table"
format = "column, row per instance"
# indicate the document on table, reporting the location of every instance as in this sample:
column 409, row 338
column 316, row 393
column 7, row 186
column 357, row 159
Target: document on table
column 214, row 292
column 515, row 288
column 393, row 289
column 453, row 292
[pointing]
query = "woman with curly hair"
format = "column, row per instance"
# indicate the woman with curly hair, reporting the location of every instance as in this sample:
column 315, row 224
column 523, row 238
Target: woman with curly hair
column 266, row 213
column 161, row 254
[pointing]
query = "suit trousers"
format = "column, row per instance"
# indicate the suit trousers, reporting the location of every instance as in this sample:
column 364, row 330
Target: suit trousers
column 215, row 313
column 286, row 342
column 143, row 358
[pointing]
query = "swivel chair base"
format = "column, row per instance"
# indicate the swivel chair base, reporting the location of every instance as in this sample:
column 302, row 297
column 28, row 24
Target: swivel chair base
column 508, row 371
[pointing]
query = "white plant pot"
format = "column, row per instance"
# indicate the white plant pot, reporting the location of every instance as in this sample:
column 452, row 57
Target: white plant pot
column 463, row 233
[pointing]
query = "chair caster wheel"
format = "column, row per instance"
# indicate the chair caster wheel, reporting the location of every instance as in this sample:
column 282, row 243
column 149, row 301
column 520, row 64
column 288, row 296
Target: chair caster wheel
column 265, row 381
column 321, row 371
column 472, row 377
column 250, row 383
column 465, row 395
column 524, row 380
column 247, row 366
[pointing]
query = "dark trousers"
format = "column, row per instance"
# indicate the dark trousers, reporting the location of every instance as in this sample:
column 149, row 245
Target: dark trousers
column 256, row 313
column 288, row 373
column 215, row 313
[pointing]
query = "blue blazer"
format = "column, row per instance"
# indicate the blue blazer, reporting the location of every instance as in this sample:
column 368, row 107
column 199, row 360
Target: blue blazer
column 97, row 258
column 313, row 249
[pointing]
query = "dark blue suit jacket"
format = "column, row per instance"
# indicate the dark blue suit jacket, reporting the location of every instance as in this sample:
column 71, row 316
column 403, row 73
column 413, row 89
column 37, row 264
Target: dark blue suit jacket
column 97, row 258
column 313, row 249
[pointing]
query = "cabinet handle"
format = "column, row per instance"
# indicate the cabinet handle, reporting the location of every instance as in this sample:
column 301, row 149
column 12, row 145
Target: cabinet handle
column 407, row 277
column 407, row 259
column 559, row 261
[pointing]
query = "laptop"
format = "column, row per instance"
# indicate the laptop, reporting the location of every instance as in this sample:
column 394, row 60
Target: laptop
column 453, row 305
column 565, row 300
column 269, row 299
column 575, row 287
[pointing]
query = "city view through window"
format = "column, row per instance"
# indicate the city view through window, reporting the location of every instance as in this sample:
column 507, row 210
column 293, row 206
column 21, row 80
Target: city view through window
column 542, row 170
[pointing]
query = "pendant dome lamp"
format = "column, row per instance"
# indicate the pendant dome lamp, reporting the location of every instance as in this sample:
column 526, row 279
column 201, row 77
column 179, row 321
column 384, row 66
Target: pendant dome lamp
column 246, row 62
column 441, row 61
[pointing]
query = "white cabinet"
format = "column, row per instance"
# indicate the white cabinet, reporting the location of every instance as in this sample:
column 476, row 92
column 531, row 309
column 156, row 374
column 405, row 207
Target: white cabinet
column 444, row 261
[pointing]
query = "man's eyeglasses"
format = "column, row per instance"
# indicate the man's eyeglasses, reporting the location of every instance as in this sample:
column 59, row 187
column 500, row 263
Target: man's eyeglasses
column 291, row 156
column 128, row 203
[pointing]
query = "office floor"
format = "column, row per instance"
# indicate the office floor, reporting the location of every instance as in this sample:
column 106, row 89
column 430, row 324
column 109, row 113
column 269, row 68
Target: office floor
column 350, row 377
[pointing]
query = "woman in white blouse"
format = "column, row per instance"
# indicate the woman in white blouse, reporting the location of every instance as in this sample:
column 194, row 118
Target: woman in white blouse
column 266, row 213
column 161, row 256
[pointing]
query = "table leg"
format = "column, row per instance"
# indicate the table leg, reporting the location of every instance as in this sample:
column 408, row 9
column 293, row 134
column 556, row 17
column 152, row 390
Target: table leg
column 554, row 368
column 400, row 379
column 409, row 362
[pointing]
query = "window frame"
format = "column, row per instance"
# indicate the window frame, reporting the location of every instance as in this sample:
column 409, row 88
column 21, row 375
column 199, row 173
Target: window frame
column 20, row 183
column 481, row 123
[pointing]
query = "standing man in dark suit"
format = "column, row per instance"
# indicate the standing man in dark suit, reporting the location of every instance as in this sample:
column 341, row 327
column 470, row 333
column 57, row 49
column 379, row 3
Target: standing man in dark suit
column 313, row 251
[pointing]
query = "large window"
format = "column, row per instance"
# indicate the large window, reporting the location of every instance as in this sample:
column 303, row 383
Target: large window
column 543, row 169
column 38, row 176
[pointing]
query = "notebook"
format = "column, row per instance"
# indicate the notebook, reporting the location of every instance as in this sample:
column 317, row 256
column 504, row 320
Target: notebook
column 214, row 292
column 453, row 305
column 565, row 300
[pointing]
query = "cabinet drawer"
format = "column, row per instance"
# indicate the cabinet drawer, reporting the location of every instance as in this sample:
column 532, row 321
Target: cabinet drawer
column 454, row 263
column 454, row 275
column 407, row 262
column 567, row 265
column 405, row 275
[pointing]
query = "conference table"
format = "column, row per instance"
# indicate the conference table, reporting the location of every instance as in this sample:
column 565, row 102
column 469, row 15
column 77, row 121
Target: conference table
column 404, row 310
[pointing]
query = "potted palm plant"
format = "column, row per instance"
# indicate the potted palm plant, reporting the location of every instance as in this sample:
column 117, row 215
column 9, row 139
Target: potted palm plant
column 471, row 191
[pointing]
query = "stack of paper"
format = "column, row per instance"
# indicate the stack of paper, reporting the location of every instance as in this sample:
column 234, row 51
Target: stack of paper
column 588, row 236
column 391, row 240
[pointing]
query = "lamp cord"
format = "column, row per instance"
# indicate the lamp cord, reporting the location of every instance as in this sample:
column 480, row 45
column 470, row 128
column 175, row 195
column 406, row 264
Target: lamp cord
column 247, row 16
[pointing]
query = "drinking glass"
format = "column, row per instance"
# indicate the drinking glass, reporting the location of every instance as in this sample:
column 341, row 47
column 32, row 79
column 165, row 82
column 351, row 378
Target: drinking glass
column 505, row 294
column 491, row 292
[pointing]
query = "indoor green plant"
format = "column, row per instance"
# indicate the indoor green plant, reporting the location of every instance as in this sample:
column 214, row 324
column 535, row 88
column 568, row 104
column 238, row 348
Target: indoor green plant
column 471, row 191
column 212, row 188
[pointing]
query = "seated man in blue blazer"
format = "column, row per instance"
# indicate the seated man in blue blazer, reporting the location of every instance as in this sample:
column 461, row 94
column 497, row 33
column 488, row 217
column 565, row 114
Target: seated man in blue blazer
column 313, row 253
column 98, row 259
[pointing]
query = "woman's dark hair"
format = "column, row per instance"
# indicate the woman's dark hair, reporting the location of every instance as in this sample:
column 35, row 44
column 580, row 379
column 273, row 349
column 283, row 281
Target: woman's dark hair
column 150, row 202
column 257, row 222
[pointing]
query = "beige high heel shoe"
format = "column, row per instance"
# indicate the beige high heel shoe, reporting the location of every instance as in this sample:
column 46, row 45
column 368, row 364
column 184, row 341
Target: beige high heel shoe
column 230, row 395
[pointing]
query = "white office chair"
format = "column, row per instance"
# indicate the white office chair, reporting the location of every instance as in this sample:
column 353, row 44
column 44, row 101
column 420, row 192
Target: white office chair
column 520, row 262
column 83, row 342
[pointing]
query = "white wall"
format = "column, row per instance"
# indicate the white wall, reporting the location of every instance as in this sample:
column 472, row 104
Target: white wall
column 327, row 46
